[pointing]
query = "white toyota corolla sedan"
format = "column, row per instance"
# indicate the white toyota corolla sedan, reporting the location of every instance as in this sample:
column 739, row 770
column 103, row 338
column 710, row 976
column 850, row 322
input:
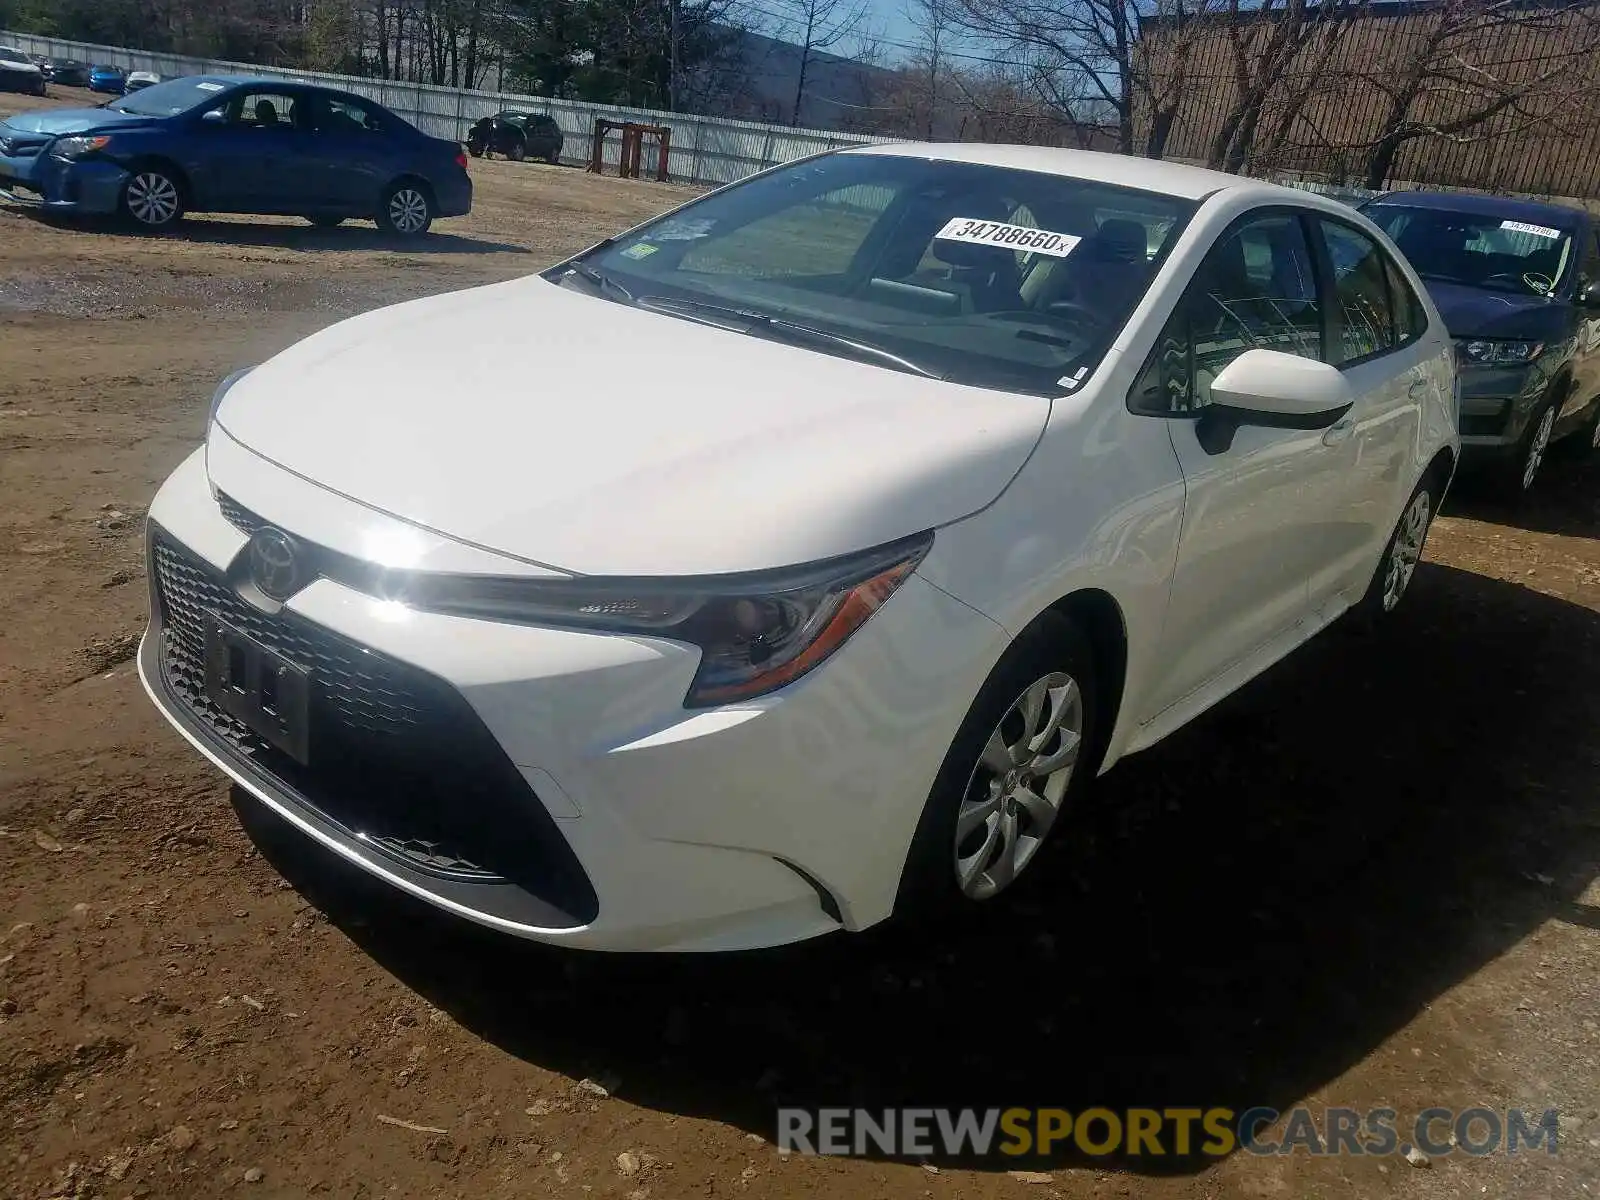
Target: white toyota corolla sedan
column 855, row 517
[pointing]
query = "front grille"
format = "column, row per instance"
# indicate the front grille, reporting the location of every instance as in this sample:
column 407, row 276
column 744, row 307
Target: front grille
column 240, row 517
column 398, row 759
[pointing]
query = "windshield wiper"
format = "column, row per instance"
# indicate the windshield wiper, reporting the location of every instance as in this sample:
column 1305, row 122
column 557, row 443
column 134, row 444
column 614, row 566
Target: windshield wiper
column 599, row 280
column 791, row 331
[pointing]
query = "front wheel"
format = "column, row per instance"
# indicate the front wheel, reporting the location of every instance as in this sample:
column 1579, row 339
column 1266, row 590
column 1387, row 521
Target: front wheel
column 476, row 148
column 407, row 209
column 152, row 198
column 1519, row 475
column 1020, row 759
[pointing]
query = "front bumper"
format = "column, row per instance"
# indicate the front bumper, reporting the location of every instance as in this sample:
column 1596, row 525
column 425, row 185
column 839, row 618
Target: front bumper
column 89, row 186
column 606, row 815
column 1496, row 403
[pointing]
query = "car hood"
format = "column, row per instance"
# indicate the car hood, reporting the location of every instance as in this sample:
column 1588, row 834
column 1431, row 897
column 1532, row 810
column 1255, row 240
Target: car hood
column 21, row 68
column 595, row 438
column 1471, row 312
column 59, row 122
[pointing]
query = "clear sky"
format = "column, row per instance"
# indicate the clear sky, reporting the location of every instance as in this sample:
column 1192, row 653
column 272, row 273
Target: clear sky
column 886, row 20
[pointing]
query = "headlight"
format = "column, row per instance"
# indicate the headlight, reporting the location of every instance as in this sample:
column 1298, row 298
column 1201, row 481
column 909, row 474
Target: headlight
column 76, row 147
column 1485, row 352
column 756, row 632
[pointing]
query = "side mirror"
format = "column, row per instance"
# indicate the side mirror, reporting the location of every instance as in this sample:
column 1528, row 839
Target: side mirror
column 214, row 117
column 1275, row 390
column 1589, row 295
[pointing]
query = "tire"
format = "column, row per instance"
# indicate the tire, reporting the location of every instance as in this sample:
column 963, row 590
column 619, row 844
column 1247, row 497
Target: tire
column 977, row 836
column 1392, row 580
column 406, row 209
column 475, row 149
column 554, row 157
column 152, row 197
column 325, row 220
column 517, row 150
column 1519, row 475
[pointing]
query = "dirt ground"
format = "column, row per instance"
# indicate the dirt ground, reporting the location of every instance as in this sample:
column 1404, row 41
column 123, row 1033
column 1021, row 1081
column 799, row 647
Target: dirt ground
column 1368, row 879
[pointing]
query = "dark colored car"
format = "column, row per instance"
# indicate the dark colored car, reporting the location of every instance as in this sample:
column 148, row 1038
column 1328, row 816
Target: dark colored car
column 19, row 73
column 218, row 143
column 107, row 79
column 1518, row 285
column 69, row 73
column 517, row 135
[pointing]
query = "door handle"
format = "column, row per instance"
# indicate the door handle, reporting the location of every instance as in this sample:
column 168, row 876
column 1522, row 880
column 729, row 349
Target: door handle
column 1339, row 431
column 1418, row 390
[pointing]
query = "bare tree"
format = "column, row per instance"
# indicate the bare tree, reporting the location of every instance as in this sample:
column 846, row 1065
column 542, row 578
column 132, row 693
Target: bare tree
column 1265, row 43
column 816, row 27
column 1452, row 78
column 1068, row 47
column 933, row 19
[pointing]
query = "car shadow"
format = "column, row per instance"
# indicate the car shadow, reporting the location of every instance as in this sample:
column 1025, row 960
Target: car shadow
column 1564, row 500
column 351, row 236
column 1249, row 910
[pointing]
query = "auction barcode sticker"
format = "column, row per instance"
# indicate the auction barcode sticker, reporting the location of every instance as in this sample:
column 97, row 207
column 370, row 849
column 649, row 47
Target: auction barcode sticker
column 1009, row 237
column 1537, row 230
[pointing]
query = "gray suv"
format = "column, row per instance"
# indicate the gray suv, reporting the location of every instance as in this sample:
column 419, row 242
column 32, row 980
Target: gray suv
column 1518, row 285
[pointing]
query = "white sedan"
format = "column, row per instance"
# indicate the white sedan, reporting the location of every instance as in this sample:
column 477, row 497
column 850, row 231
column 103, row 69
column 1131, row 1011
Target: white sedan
column 859, row 514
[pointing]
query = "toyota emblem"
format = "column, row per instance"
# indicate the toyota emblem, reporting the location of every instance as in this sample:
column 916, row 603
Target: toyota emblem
column 274, row 563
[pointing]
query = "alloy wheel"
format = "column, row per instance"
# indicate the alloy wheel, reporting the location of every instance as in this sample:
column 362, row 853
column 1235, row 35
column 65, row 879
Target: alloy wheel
column 1015, row 791
column 152, row 199
column 408, row 210
column 1538, row 446
column 1407, row 549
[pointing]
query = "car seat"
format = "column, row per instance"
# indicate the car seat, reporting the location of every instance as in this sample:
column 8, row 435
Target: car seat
column 266, row 114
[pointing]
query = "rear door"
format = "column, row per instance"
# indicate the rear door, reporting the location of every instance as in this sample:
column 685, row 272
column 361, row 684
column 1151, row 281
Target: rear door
column 1376, row 328
column 356, row 147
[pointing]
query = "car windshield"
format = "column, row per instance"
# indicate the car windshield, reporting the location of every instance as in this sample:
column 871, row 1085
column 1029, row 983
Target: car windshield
column 1016, row 280
column 170, row 98
column 12, row 56
column 1503, row 254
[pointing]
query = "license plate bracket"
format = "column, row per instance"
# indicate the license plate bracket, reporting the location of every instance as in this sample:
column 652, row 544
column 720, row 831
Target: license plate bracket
column 259, row 687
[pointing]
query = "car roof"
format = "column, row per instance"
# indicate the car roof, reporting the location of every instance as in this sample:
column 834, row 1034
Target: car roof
column 1501, row 207
column 1123, row 170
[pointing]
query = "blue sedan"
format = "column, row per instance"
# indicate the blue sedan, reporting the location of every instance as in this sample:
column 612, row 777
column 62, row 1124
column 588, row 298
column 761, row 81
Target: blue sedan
column 107, row 79
column 219, row 143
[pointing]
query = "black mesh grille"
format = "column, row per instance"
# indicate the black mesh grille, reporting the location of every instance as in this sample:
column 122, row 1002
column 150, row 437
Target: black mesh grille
column 398, row 759
column 238, row 515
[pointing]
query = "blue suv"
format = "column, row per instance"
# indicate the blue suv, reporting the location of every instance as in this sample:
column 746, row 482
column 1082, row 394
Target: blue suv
column 220, row 143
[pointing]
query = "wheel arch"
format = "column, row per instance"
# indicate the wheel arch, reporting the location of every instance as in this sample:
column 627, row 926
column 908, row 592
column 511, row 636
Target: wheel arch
column 1101, row 618
column 411, row 177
